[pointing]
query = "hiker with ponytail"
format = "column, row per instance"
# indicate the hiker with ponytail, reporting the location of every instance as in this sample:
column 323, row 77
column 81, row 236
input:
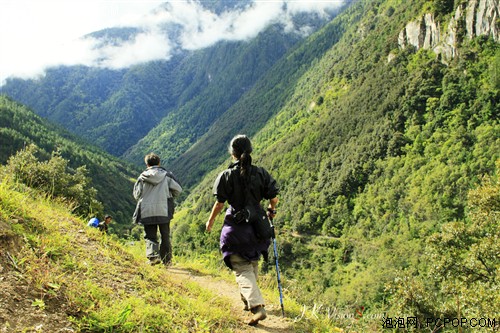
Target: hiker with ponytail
column 241, row 247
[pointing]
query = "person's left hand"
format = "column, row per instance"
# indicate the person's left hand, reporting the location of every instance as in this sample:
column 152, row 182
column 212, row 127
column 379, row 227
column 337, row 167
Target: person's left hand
column 271, row 213
column 208, row 226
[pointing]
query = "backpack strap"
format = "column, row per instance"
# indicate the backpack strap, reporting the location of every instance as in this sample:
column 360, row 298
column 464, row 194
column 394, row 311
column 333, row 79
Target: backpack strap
column 246, row 191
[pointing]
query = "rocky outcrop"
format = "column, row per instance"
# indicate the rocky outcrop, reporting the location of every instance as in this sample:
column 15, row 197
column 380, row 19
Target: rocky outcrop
column 472, row 18
column 420, row 33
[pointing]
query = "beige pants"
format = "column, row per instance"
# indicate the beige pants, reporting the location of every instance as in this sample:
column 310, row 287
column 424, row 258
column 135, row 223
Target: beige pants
column 246, row 273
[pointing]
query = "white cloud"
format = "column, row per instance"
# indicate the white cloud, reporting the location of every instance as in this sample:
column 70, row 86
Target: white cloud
column 144, row 47
column 38, row 34
column 204, row 28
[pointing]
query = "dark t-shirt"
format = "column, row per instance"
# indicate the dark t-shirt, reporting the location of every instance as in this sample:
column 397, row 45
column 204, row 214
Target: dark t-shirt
column 229, row 186
column 103, row 227
column 240, row 238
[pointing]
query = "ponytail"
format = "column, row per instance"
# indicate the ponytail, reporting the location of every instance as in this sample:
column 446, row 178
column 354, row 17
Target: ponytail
column 241, row 148
column 245, row 163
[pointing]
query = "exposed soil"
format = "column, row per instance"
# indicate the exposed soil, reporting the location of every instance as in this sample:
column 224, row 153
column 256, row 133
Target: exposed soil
column 21, row 312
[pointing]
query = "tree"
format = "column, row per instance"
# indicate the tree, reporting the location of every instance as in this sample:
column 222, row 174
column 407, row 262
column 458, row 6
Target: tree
column 464, row 271
column 465, row 254
column 443, row 7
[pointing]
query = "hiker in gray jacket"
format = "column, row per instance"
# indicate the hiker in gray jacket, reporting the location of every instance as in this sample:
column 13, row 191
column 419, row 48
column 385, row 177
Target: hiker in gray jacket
column 154, row 191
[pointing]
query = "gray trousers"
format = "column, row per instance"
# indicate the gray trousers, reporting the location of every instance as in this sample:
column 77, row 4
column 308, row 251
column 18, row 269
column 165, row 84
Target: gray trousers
column 246, row 273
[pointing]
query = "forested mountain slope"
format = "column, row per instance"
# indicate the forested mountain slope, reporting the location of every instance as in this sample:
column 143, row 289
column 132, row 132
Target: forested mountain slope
column 379, row 151
column 256, row 107
column 186, row 93
column 219, row 77
column 112, row 178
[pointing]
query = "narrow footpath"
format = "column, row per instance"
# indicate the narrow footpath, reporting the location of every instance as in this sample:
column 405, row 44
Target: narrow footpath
column 274, row 322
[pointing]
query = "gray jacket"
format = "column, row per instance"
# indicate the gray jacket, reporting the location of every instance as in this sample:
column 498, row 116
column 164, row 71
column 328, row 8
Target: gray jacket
column 153, row 189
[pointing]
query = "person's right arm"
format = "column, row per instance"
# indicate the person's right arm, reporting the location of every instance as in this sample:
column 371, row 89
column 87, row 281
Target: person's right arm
column 216, row 209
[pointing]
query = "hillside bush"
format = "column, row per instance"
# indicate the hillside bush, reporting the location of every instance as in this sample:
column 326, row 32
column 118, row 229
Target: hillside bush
column 56, row 179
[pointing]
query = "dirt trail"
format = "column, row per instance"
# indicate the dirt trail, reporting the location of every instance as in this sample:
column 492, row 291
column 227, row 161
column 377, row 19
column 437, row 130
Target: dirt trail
column 274, row 321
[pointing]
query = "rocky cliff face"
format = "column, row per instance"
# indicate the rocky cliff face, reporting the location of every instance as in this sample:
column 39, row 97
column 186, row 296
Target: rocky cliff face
column 472, row 18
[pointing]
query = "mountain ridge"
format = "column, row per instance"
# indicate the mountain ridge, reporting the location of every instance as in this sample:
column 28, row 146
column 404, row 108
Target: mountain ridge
column 118, row 108
column 254, row 109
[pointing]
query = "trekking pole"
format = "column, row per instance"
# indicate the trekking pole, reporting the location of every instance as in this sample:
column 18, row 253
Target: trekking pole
column 277, row 267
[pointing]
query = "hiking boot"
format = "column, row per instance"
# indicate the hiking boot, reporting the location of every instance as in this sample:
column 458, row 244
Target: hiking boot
column 259, row 313
column 154, row 261
column 246, row 308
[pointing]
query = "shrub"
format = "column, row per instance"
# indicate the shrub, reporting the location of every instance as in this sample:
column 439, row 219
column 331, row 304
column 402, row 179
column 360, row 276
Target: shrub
column 56, row 179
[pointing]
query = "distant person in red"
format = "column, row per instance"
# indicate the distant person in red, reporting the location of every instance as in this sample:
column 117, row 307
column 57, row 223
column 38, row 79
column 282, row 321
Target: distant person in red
column 241, row 247
column 154, row 191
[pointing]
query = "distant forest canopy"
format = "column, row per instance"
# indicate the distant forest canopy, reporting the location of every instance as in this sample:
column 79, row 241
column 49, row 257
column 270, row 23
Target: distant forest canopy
column 386, row 154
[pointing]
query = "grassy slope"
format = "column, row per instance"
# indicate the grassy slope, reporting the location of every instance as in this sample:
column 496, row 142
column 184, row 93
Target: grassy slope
column 103, row 284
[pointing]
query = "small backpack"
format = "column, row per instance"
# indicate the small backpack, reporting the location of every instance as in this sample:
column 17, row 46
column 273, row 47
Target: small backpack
column 93, row 222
